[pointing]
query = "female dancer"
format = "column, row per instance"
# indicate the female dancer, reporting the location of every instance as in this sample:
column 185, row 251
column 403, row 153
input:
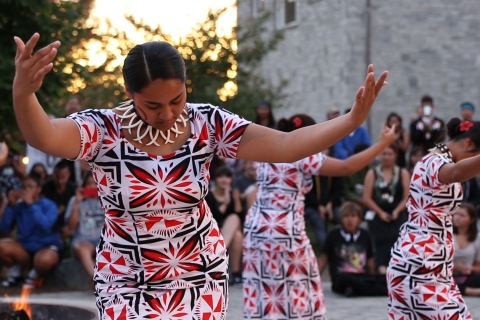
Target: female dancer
column 419, row 275
column 161, row 254
column 280, row 273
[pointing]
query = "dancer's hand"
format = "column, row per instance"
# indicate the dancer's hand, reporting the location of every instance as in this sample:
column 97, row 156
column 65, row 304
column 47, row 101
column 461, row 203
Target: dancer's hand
column 388, row 136
column 367, row 94
column 31, row 68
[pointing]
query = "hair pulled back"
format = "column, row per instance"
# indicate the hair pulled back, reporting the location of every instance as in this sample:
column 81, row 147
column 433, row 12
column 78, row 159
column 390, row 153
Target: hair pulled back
column 295, row 122
column 150, row 61
column 458, row 130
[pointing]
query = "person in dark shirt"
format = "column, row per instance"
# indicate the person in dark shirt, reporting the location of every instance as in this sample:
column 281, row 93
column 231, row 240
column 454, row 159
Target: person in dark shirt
column 427, row 130
column 59, row 189
column 348, row 251
column 226, row 209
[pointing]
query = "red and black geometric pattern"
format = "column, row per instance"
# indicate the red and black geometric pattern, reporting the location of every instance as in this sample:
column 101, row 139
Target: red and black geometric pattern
column 161, row 254
column 419, row 275
column 280, row 270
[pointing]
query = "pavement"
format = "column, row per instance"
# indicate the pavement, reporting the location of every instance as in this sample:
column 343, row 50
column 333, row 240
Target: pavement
column 338, row 307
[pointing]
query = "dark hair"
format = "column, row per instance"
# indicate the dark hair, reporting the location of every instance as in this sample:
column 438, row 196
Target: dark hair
column 271, row 119
column 396, row 115
column 458, row 130
column 86, row 177
column 350, row 206
column 295, row 122
column 150, row 61
column 414, row 150
column 34, row 177
column 426, row 98
column 62, row 164
column 223, row 171
column 393, row 147
column 472, row 228
column 41, row 165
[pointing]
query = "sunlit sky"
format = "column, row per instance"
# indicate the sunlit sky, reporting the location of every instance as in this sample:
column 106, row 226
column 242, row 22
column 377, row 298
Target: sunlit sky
column 176, row 17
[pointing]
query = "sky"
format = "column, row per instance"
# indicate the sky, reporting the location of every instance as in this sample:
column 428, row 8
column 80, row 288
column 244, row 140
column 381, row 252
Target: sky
column 175, row 17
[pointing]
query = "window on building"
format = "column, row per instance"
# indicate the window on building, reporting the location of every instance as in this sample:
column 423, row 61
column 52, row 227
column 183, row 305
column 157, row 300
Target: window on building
column 286, row 13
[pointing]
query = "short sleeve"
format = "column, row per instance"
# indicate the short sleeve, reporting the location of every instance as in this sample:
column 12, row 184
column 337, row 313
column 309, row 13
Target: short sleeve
column 311, row 165
column 432, row 168
column 229, row 129
column 90, row 125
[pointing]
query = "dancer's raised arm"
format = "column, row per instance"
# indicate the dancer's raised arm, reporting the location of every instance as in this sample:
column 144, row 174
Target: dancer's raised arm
column 267, row 145
column 58, row 137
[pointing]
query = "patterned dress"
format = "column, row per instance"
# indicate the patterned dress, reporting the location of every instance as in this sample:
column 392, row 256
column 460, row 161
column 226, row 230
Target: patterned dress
column 161, row 254
column 419, row 276
column 280, row 271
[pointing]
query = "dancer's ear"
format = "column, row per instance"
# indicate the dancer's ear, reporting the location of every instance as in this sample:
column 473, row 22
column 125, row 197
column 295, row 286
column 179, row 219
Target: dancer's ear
column 129, row 94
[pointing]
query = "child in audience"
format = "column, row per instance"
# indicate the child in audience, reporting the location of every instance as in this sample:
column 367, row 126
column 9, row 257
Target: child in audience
column 348, row 251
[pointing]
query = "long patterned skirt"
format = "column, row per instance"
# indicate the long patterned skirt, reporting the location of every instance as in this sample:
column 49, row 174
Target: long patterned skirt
column 282, row 285
column 197, row 303
column 416, row 293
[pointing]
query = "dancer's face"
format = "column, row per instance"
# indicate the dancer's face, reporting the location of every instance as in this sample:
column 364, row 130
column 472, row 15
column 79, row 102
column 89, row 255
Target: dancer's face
column 160, row 103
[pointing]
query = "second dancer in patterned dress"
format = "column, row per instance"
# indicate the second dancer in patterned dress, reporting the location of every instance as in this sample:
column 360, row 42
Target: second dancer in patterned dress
column 280, row 274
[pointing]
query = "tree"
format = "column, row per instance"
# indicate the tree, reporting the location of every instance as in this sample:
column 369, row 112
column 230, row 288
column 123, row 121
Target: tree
column 216, row 71
column 53, row 20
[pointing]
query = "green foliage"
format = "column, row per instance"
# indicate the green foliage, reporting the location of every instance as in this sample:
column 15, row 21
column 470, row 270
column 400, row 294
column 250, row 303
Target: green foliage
column 53, row 20
column 216, row 72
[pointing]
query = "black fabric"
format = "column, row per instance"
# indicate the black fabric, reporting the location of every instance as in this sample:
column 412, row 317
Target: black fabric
column 49, row 191
column 213, row 205
column 345, row 256
column 385, row 234
column 361, row 284
column 471, row 281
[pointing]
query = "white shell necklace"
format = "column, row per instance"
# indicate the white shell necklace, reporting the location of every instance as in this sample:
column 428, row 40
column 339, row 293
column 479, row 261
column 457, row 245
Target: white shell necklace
column 135, row 122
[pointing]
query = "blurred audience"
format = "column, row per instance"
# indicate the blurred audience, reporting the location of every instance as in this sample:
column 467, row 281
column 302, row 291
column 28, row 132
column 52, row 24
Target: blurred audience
column 427, row 130
column 402, row 141
column 264, row 115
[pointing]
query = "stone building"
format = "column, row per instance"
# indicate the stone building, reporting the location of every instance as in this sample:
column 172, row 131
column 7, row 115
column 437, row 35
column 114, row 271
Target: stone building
column 429, row 47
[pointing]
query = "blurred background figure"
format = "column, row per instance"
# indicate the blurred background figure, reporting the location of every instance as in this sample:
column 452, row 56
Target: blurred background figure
column 84, row 221
column 333, row 113
column 226, row 208
column 385, row 193
column 466, row 260
column 402, row 138
column 427, row 129
column 37, row 246
column 345, row 147
column 41, row 171
column 416, row 154
column 264, row 115
column 468, row 110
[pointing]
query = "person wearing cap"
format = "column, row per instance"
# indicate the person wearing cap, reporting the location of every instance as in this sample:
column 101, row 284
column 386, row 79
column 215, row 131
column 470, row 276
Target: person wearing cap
column 467, row 109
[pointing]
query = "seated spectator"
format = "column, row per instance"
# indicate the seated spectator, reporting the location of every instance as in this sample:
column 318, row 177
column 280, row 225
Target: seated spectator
column 41, row 171
column 11, row 172
column 59, row 189
column 416, row 154
column 85, row 218
column 226, row 209
column 402, row 138
column 348, row 251
column 386, row 190
column 466, row 261
column 37, row 247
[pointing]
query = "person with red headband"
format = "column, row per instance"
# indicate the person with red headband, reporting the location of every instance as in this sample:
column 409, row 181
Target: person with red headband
column 420, row 271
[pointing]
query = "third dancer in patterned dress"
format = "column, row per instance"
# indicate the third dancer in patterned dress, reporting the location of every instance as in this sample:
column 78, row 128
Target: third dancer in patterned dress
column 419, row 274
